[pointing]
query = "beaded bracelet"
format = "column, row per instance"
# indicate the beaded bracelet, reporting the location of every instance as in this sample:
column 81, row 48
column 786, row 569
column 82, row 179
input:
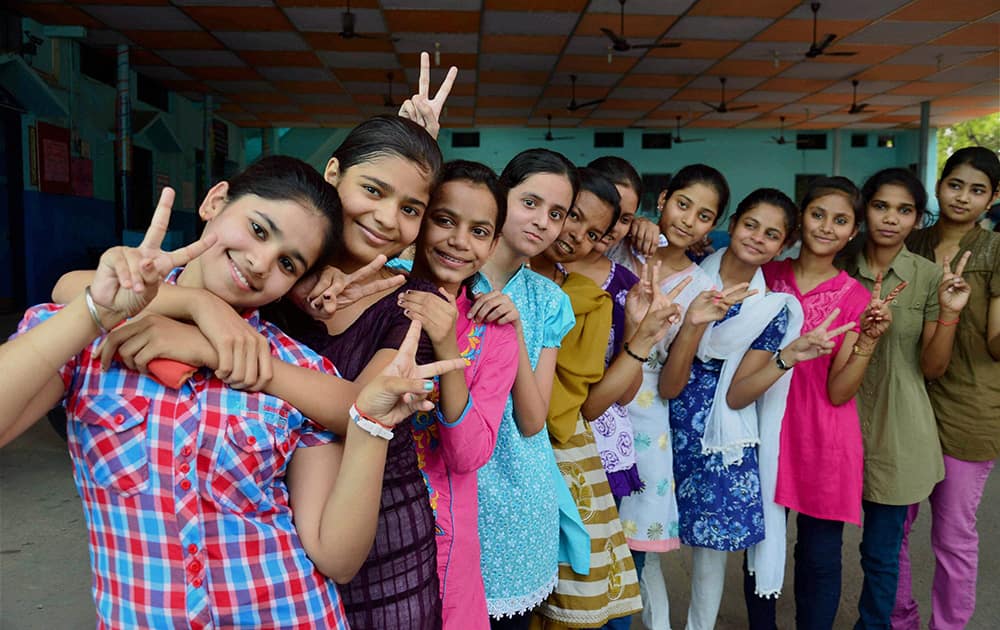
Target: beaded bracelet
column 628, row 351
column 944, row 323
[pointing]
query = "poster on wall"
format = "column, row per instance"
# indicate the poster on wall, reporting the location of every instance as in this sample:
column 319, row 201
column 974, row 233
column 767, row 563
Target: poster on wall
column 53, row 160
column 82, row 173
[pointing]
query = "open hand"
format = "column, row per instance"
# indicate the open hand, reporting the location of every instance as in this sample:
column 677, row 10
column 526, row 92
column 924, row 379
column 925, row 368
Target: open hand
column 712, row 306
column 645, row 236
column 128, row 278
column 437, row 316
column 954, row 291
column 494, row 306
column 817, row 342
column 877, row 317
column 321, row 294
column 421, row 108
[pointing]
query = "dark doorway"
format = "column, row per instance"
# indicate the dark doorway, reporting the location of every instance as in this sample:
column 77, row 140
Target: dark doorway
column 12, row 270
column 140, row 212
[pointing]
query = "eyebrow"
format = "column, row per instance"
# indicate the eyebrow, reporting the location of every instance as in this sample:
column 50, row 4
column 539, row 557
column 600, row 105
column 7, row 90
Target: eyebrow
column 295, row 253
column 390, row 189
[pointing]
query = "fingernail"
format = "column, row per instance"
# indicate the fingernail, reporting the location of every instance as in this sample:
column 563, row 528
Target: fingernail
column 428, row 386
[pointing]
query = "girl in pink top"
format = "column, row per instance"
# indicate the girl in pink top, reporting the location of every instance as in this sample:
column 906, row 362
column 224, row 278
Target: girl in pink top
column 821, row 455
column 459, row 233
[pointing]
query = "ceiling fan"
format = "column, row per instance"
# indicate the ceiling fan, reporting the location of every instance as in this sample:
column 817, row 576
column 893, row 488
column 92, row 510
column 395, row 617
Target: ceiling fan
column 621, row 44
column 817, row 49
column 347, row 31
column 856, row 107
column 677, row 136
column 388, row 101
column 723, row 107
column 573, row 105
column 780, row 139
column 548, row 137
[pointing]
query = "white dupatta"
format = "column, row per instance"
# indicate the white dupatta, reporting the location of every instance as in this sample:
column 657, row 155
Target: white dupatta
column 728, row 431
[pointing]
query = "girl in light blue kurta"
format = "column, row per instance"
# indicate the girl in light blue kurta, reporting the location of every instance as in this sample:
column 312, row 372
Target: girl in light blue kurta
column 518, row 504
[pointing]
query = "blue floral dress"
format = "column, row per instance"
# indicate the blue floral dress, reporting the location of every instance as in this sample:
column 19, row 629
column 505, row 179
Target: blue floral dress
column 720, row 507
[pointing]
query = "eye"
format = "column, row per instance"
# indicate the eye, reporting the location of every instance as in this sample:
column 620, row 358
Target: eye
column 906, row 210
column 774, row 236
column 978, row 191
column 556, row 215
column 683, row 205
column 287, row 264
column 528, row 202
column 258, row 230
column 481, row 232
column 572, row 214
column 705, row 216
column 410, row 211
column 879, row 205
column 443, row 221
column 625, row 220
column 840, row 220
column 593, row 236
column 371, row 190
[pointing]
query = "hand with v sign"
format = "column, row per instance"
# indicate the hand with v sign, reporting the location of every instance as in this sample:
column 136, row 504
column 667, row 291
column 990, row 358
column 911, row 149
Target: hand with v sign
column 421, row 108
column 877, row 317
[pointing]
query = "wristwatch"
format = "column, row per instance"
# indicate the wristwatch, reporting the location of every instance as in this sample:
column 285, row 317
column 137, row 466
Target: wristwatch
column 784, row 367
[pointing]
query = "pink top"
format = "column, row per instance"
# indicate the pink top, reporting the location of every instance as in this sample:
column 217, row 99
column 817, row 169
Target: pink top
column 449, row 456
column 821, row 460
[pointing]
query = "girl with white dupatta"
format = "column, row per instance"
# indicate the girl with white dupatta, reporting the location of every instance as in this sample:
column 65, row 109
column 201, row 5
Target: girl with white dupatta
column 727, row 379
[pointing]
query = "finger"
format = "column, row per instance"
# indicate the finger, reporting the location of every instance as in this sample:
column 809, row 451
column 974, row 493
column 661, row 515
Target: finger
column 946, row 264
column 437, row 368
column 961, row 263
column 424, row 83
column 249, row 376
column 184, row 255
column 736, row 288
column 829, row 320
column 324, row 284
column 368, row 270
column 265, row 371
column 441, row 96
column 447, row 296
column 676, row 291
column 160, row 222
column 134, row 262
column 877, row 289
column 406, row 109
column 225, row 351
column 840, row 330
column 408, row 348
column 377, row 286
column 120, row 265
column 895, row 292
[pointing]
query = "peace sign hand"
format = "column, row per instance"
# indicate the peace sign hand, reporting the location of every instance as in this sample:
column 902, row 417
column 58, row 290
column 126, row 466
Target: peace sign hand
column 662, row 310
column 877, row 317
column 402, row 387
column 421, row 108
column 954, row 291
column 128, row 278
column 321, row 294
column 712, row 306
column 817, row 342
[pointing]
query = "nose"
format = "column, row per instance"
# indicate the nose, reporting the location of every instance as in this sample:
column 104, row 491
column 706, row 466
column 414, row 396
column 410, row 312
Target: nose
column 459, row 239
column 541, row 219
column 891, row 218
column 262, row 260
column 687, row 219
column 386, row 215
column 963, row 195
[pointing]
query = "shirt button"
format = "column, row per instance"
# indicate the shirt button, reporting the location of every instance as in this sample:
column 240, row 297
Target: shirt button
column 119, row 419
column 196, row 582
column 185, row 468
column 251, row 441
column 192, row 549
column 186, row 451
column 185, row 484
column 195, row 566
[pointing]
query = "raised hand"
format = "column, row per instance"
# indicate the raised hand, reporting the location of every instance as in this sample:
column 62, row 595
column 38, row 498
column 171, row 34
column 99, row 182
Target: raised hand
column 712, row 306
column 815, row 343
column 954, row 291
column 645, row 236
column 877, row 317
column 402, row 387
column 128, row 278
column 437, row 316
column 321, row 294
column 494, row 306
column 421, row 108
column 650, row 310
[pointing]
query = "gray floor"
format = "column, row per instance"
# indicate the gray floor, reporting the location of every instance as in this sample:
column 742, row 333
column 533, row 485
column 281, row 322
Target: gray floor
column 45, row 575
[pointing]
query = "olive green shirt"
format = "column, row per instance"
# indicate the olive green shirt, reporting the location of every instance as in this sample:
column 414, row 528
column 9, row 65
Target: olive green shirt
column 902, row 452
column 966, row 398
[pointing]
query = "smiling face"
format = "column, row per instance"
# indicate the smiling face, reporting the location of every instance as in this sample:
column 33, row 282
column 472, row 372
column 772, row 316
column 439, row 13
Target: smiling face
column 758, row 234
column 965, row 194
column 689, row 214
column 536, row 210
column 891, row 215
column 264, row 246
column 629, row 205
column 585, row 224
column 828, row 224
column 384, row 200
column 459, row 232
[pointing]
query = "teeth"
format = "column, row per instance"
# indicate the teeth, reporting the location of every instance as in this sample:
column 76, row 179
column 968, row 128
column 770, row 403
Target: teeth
column 239, row 275
column 563, row 246
column 451, row 258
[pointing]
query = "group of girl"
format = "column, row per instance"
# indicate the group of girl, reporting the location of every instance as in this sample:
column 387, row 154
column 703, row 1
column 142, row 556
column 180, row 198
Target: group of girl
column 611, row 402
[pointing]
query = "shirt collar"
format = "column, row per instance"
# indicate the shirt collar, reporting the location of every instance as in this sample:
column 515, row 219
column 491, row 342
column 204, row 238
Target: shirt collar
column 902, row 265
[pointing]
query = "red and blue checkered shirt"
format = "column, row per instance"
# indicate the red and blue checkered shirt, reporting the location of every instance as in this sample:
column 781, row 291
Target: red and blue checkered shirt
column 185, row 497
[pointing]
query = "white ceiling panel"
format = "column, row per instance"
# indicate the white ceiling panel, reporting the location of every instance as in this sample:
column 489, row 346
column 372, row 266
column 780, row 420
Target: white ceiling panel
column 245, row 40
column 667, row 65
column 450, row 42
column 294, row 73
column 900, row 32
column 806, row 70
column 641, row 7
column 203, row 58
column 498, row 61
column 141, row 18
column 763, row 96
column 337, row 59
column 329, row 20
column 848, row 10
column 711, row 27
column 527, row 22
column 506, row 89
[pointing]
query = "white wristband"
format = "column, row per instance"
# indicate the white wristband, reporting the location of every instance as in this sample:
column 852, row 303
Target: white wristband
column 367, row 425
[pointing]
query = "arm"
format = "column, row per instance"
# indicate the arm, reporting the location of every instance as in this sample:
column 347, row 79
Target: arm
column 677, row 370
column 532, row 388
column 993, row 328
column 938, row 339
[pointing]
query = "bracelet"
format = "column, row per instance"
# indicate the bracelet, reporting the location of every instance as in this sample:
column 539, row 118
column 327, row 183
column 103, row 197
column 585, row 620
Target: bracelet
column 784, row 367
column 368, row 424
column 951, row 323
column 92, row 308
column 628, row 351
column 861, row 352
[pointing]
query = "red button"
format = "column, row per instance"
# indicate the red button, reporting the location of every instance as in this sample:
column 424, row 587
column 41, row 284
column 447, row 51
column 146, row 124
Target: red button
column 119, row 419
column 195, row 566
column 185, row 485
column 251, row 440
column 186, row 451
column 185, row 468
column 192, row 549
column 196, row 582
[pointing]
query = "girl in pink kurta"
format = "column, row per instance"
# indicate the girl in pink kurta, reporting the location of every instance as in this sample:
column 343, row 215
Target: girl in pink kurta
column 820, row 462
column 458, row 234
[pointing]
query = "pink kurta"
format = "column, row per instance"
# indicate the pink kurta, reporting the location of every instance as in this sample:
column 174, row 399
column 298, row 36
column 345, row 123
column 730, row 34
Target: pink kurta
column 449, row 456
column 821, row 460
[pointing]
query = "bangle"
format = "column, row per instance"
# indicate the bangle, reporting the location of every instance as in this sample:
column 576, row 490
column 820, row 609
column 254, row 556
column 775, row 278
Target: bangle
column 368, row 424
column 784, row 367
column 944, row 323
column 861, row 352
column 628, row 351
column 92, row 308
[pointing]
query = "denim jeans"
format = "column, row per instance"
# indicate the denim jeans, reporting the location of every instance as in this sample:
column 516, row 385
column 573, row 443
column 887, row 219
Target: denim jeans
column 817, row 572
column 761, row 611
column 880, row 541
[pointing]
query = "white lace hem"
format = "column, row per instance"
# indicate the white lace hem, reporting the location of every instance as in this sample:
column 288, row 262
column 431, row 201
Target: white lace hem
column 511, row 606
column 766, row 594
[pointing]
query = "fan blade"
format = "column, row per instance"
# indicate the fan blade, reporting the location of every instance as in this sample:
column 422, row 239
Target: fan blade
column 618, row 42
column 739, row 108
column 840, row 53
column 596, row 101
column 658, row 45
column 718, row 108
column 826, row 42
column 686, row 140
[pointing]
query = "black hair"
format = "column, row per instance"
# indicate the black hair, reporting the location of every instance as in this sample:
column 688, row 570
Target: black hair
column 533, row 161
column 279, row 178
column 478, row 173
column 979, row 158
column 774, row 197
column 604, row 189
column 382, row 136
column 896, row 177
column 619, row 171
column 700, row 174
column 823, row 186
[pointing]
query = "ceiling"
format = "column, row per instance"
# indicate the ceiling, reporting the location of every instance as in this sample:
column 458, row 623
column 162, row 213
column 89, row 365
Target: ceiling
column 282, row 63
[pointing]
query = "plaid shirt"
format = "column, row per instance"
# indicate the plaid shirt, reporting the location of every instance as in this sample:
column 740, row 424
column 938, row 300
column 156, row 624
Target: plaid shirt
column 185, row 497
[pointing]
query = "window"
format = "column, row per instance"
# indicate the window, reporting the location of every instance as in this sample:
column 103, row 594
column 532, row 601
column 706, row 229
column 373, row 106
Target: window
column 657, row 141
column 609, row 139
column 464, row 139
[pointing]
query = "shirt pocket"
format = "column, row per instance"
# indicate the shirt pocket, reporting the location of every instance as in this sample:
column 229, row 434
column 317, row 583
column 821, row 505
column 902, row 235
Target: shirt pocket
column 908, row 321
column 111, row 433
column 247, row 460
